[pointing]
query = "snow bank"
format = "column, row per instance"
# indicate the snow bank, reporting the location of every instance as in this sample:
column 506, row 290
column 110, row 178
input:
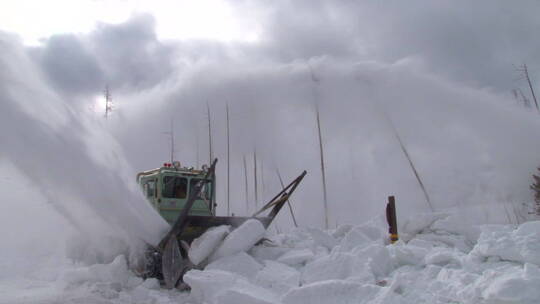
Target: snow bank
column 337, row 265
column 278, row 277
column 115, row 273
column 217, row 286
column 355, row 264
column 331, row 291
column 348, row 265
column 520, row 245
column 515, row 287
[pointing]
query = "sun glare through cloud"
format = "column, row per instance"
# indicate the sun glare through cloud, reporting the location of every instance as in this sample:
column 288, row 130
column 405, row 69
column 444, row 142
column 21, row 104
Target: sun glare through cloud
column 99, row 104
column 205, row 19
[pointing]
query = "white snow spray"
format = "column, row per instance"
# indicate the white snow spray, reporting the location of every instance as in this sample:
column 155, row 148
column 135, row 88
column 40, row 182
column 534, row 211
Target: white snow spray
column 471, row 146
column 64, row 183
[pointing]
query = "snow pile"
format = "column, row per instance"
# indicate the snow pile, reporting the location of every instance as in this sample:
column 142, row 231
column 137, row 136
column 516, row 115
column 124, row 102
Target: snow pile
column 520, row 245
column 351, row 264
column 355, row 264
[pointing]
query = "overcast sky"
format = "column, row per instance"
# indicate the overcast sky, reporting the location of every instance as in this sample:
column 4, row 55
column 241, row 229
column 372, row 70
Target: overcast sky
column 442, row 71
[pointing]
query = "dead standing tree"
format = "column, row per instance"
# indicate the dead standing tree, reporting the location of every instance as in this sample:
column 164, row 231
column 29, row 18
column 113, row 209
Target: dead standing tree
column 525, row 71
column 108, row 102
column 228, row 164
column 246, row 184
column 316, row 81
column 255, row 183
column 210, row 152
column 536, row 188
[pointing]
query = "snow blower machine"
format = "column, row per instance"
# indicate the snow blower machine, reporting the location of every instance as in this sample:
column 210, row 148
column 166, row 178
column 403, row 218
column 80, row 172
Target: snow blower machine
column 185, row 198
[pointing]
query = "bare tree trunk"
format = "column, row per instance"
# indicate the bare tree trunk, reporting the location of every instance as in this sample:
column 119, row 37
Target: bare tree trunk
column 526, row 100
column 288, row 202
column 246, row 184
column 326, row 222
column 108, row 102
column 172, row 140
column 228, row 165
column 211, row 155
column 411, row 164
column 316, row 82
column 526, row 71
column 262, row 180
column 255, row 178
column 197, row 148
column 170, row 133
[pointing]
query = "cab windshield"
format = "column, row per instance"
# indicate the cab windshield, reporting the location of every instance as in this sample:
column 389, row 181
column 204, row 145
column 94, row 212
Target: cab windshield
column 174, row 187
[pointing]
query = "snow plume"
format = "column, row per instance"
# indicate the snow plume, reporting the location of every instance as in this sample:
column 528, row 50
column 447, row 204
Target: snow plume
column 450, row 105
column 64, row 178
column 471, row 146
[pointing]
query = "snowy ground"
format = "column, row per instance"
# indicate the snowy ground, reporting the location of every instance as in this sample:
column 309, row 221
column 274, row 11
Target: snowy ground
column 433, row 263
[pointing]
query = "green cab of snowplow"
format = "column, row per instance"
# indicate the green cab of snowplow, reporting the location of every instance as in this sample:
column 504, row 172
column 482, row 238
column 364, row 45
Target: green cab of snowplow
column 167, row 189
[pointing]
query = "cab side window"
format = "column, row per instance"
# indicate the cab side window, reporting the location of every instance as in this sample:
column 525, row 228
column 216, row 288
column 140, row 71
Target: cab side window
column 150, row 188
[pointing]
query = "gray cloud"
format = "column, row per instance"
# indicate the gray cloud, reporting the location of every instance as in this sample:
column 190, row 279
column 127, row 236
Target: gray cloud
column 475, row 43
column 126, row 55
column 70, row 65
column 131, row 55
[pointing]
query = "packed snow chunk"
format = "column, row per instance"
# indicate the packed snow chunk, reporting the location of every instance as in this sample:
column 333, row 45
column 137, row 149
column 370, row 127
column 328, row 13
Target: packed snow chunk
column 515, row 287
column 443, row 256
column 296, row 257
column 203, row 246
column 341, row 231
column 147, row 292
column 373, row 232
column 420, row 243
column 361, row 273
column 529, row 228
column 244, row 292
column 408, row 254
column 356, row 238
column 264, row 252
column 219, row 287
column 337, row 265
column 151, row 283
column 116, row 272
column 454, row 280
column 376, row 257
column 521, row 245
column 331, row 291
column 321, row 238
column 278, row 277
column 240, row 263
column 206, row 285
column 240, row 239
